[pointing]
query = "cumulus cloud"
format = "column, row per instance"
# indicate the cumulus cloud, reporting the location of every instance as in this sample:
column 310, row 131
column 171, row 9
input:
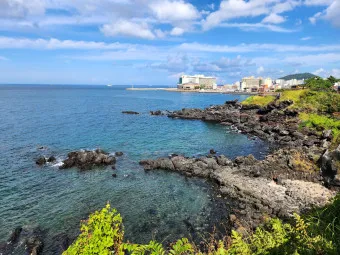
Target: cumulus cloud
column 317, row 2
column 128, row 28
column 177, row 31
column 21, row 8
column 168, row 10
column 274, row 19
column 230, row 9
column 326, row 73
column 332, row 13
column 173, row 64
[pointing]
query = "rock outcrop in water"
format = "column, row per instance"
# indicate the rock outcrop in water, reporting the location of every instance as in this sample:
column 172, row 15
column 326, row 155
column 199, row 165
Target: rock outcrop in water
column 85, row 160
column 277, row 186
column 274, row 123
column 29, row 240
column 130, row 112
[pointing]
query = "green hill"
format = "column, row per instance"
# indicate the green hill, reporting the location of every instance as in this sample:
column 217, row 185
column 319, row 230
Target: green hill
column 298, row 76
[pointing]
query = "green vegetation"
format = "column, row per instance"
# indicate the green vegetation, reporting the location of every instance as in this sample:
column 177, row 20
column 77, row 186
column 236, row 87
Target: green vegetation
column 320, row 122
column 258, row 100
column 319, row 84
column 299, row 76
column 294, row 95
column 315, row 233
column 318, row 105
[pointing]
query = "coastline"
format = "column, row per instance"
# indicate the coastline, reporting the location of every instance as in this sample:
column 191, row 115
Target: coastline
column 287, row 181
column 196, row 91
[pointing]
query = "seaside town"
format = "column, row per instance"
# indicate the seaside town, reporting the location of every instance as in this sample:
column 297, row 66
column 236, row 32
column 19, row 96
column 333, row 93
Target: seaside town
column 250, row 84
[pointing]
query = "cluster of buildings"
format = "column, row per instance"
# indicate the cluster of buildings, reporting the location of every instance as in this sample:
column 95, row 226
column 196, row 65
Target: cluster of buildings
column 247, row 84
column 196, row 82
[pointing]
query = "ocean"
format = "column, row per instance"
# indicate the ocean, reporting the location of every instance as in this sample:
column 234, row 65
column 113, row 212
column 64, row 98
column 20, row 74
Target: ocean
column 61, row 119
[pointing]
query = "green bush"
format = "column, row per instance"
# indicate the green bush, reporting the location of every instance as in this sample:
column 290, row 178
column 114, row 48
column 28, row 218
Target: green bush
column 316, row 233
column 101, row 234
column 320, row 123
column 319, row 84
column 320, row 101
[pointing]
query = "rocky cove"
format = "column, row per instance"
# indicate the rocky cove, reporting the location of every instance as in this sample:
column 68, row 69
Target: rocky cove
column 302, row 173
column 164, row 202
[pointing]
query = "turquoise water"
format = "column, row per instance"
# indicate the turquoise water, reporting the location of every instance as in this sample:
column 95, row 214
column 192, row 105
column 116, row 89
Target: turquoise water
column 65, row 118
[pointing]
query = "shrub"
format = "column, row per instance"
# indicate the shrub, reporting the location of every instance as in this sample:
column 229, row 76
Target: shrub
column 319, row 84
column 320, row 123
column 101, row 234
column 316, row 233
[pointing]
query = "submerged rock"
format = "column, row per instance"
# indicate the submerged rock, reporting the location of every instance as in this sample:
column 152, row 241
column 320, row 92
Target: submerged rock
column 130, row 112
column 41, row 161
column 51, row 159
column 28, row 239
column 119, row 153
column 88, row 159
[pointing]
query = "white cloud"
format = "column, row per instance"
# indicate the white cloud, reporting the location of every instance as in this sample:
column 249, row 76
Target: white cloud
column 176, row 31
column 312, row 60
column 169, row 10
column 257, row 27
column 286, row 5
column 326, row 73
column 274, row 19
column 315, row 17
column 307, row 38
column 260, row 70
column 21, row 8
column 258, row 47
column 230, row 9
column 55, row 44
column 128, row 28
column 317, row 2
column 333, row 13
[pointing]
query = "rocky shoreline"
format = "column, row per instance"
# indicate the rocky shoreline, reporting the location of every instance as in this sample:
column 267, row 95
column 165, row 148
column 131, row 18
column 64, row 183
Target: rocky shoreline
column 302, row 174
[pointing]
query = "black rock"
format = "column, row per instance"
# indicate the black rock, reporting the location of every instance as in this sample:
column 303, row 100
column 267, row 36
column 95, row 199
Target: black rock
column 212, row 151
column 88, row 159
column 51, row 159
column 156, row 113
column 114, row 175
column 41, row 161
column 130, row 112
column 15, row 235
column 119, row 153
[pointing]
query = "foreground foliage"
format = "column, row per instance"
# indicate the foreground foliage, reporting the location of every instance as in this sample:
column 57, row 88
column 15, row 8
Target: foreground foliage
column 315, row 233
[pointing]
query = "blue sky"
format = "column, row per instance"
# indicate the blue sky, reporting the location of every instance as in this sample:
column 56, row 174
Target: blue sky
column 153, row 42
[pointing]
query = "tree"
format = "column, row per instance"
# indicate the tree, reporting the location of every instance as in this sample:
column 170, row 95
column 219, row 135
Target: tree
column 319, row 84
column 332, row 79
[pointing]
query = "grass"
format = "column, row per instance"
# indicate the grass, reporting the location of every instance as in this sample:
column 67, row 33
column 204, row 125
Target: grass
column 294, row 95
column 320, row 123
column 258, row 100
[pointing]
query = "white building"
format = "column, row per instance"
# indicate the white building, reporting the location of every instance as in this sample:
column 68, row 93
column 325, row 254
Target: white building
column 250, row 83
column 200, row 80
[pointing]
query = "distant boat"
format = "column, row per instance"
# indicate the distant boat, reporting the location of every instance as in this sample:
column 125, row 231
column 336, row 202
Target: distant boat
column 109, row 85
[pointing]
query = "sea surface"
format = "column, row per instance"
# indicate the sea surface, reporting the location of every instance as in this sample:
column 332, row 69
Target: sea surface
column 156, row 204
